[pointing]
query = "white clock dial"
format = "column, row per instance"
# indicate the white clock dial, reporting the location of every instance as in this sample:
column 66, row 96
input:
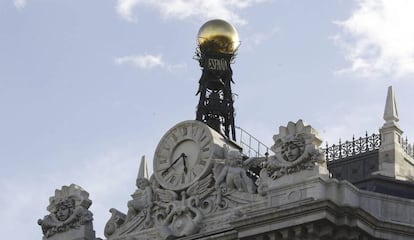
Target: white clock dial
column 184, row 154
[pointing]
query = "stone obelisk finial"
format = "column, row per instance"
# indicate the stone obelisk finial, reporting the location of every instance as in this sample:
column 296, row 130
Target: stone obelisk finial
column 143, row 168
column 393, row 160
column 390, row 111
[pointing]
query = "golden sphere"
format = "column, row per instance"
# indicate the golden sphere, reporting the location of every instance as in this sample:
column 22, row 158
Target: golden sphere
column 218, row 36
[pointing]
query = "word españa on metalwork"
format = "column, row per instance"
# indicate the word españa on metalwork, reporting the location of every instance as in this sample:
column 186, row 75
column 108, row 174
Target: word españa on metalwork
column 217, row 64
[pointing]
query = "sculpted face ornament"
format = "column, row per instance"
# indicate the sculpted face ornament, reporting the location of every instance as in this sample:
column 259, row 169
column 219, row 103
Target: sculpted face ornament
column 68, row 210
column 296, row 148
column 293, row 149
column 64, row 209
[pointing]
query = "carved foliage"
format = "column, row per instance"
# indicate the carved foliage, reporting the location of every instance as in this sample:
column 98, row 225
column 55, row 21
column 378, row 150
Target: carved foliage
column 68, row 209
column 177, row 213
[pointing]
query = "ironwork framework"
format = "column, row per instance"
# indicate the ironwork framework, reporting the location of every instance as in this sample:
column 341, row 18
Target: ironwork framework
column 215, row 107
column 365, row 144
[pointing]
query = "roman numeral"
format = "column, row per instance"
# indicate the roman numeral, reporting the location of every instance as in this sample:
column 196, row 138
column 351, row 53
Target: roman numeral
column 182, row 179
column 174, row 136
column 169, row 142
column 184, row 131
column 198, row 134
column 190, row 130
column 171, row 179
column 166, row 174
column 204, row 141
column 162, row 161
column 202, row 162
column 198, row 168
column 193, row 174
column 163, row 153
column 194, row 132
column 205, row 154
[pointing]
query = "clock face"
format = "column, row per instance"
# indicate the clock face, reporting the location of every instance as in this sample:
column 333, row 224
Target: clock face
column 184, row 155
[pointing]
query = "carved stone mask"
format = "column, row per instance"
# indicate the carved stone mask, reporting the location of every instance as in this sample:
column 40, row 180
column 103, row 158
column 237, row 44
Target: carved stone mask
column 290, row 152
column 64, row 210
column 293, row 149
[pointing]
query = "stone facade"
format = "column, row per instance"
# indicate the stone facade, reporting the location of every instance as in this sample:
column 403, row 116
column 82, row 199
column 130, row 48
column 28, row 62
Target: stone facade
column 291, row 197
column 219, row 193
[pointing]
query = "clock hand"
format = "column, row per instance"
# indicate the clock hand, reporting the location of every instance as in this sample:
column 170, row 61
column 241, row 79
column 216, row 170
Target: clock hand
column 184, row 161
column 175, row 161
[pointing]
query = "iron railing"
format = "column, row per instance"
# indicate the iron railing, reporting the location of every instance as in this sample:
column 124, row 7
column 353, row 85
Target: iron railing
column 408, row 148
column 365, row 144
column 252, row 147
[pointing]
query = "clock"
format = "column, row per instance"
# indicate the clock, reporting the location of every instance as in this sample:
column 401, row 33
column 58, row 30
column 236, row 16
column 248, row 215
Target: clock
column 185, row 154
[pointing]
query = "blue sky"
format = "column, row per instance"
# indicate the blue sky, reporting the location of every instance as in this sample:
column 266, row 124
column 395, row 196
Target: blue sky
column 88, row 87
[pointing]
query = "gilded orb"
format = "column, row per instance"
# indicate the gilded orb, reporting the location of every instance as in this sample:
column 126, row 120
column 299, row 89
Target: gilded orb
column 218, row 36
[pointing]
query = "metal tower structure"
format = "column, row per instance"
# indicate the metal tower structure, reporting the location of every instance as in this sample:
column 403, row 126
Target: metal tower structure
column 217, row 43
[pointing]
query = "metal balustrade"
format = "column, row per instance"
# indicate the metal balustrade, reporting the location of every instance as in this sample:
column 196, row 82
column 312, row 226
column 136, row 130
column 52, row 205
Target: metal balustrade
column 357, row 146
column 252, row 147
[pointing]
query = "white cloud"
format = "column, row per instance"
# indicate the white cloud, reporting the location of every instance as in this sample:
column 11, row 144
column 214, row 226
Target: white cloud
column 378, row 38
column 258, row 38
column 141, row 61
column 181, row 9
column 124, row 8
column 20, row 4
column 147, row 61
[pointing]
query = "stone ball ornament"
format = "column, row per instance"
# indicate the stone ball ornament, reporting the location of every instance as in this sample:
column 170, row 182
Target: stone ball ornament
column 218, row 36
